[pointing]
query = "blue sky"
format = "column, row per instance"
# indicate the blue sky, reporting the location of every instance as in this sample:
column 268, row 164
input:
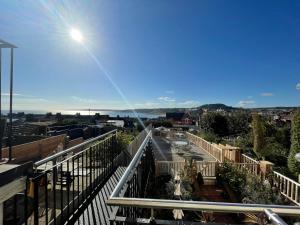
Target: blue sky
column 156, row 53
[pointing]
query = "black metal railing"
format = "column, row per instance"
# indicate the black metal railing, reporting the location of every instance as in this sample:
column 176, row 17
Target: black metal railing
column 64, row 184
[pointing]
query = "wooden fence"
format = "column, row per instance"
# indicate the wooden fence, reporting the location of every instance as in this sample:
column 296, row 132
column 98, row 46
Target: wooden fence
column 210, row 148
column 247, row 159
column 287, row 187
column 207, row 168
column 252, row 168
column 218, row 151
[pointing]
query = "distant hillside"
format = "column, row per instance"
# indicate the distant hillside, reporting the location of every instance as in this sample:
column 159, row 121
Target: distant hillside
column 210, row 107
column 217, row 106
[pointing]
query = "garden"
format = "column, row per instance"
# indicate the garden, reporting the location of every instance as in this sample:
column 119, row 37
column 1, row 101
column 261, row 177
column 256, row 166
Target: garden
column 258, row 136
column 233, row 185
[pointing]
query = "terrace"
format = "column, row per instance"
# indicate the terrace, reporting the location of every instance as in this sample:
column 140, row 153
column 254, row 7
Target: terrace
column 96, row 182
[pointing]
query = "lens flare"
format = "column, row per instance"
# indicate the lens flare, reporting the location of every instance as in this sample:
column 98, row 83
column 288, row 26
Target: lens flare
column 76, row 35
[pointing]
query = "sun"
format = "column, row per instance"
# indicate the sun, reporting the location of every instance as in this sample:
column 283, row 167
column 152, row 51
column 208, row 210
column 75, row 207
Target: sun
column 76, row 35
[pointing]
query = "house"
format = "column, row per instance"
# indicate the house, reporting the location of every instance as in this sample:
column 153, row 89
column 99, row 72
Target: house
column 116, row 123
column 179, row 118
column 176, row 116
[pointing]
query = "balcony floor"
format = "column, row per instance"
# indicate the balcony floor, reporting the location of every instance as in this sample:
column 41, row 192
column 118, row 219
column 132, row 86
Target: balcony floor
column 98, row 212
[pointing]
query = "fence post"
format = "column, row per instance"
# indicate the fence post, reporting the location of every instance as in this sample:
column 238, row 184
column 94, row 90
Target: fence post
column 265, row 167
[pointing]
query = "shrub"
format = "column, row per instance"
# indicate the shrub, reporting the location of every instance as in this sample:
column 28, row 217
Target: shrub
column 209, row 136
column 186, row 189
column 232, row 176
column 123, row 140
column 170, row 188
column 258, row 192
column 250, row 188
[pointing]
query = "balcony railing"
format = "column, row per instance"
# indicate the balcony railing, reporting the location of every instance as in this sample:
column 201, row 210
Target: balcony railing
column 65, row 182
column 131, row 206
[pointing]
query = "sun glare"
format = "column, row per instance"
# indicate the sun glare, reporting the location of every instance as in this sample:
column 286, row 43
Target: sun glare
column 76, row 35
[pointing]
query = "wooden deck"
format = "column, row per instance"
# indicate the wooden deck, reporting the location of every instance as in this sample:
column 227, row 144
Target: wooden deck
column 98, row 212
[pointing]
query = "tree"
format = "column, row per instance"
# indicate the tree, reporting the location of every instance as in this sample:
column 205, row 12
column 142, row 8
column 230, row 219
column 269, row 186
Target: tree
column 216, row 123
column 245, row 142
column 59, row 117
column 238, row 123
column 277, row 152
column 97, row 116
column 258, row 130
column 293, row 164
column 48, row 115
column 29, row 117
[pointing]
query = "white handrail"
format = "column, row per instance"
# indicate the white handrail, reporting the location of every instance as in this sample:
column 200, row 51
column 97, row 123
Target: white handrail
column 246, row 159
column 287, row 187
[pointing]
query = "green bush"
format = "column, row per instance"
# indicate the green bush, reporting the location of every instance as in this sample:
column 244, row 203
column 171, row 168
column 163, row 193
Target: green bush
column 251, row 189
column 123, row 140
column 258, row 192
column 209, row 136
column 232, row 176
column 186, row 189
column 169, row 189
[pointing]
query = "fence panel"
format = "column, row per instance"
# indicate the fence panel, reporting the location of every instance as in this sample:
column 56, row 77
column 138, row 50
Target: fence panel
column 247, row 159
column 207, row 169
column 211, row 149
column 252, row 168
column 287, row 187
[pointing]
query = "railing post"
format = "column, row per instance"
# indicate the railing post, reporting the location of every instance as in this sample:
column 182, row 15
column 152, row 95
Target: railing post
column 152, row 219
column 90, row 165
column 35, row 201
